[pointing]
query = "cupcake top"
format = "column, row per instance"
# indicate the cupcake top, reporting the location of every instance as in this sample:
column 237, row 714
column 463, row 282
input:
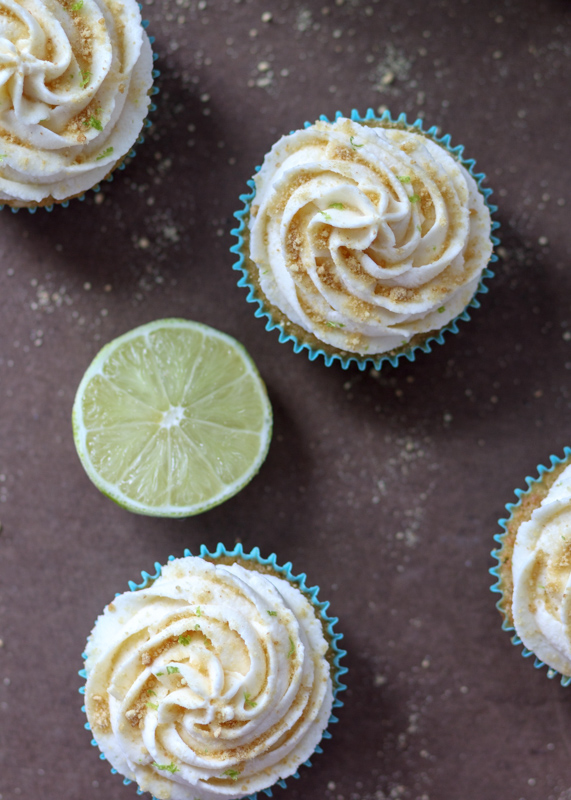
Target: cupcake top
column 212, row 683
column 74, row 84
column 366, row 235
column 541, row 572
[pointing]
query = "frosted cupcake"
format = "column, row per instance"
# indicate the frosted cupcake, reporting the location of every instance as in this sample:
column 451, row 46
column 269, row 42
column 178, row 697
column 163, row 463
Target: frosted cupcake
column 214, row 679
column 534, row 568
column 75, row 78
column 364, row 238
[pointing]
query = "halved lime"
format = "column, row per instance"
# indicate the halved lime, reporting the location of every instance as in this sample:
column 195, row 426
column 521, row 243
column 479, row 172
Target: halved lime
column 172, row 418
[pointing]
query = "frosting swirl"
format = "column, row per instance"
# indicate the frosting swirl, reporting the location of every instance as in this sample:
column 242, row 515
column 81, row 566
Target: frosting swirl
column 366, row 235
column 212, row 683
column 74, row 83
column 541, row 571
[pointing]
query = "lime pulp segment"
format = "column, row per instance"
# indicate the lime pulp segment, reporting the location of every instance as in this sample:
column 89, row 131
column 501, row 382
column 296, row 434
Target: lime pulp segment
column 172, row 418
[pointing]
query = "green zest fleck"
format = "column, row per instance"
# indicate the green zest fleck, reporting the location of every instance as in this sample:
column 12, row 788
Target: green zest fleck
column 419, row 229
column 249, row 703
column 198, row 611
column 326, row 216
column 353, row 145
column 172, row 670
column 273, row 613
column 232, row 774
column 104, row 154
column 404, row 178
column 414, row 198
column 340, row 206
column 3, row 156
column 93, row 122
column 291, row 648
column 334, row 324
column 183, row 640
column 159, row 673
column 150, row 691
column 85, row 76
column 154, row 706
column 442, row 309
column 564, row 539
column 77, row 6
column 172, row 768
column 197, row 627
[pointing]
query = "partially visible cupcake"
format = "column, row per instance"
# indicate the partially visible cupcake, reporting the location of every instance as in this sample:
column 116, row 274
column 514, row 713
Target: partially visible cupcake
column 364, row 238
column 534, row 568
column 74, row 95
column 214, row 679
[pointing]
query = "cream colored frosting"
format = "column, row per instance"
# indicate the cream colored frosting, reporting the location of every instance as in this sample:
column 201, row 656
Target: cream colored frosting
column 74, row 84
column 541, row 569
column 210, row 684
column 365, row 236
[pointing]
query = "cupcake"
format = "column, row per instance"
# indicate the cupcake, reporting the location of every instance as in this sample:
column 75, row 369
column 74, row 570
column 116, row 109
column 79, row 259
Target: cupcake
column 213, row 679
column 534, row 568
column 74, row 95
column 364, row 238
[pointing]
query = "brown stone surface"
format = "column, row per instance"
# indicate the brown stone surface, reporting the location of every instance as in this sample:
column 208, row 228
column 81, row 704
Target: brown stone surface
column 385, row 489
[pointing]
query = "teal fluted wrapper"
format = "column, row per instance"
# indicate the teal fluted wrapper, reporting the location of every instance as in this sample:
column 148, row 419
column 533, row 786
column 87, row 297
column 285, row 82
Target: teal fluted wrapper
column 219, row 557
column 333, row 286
column 520, row 512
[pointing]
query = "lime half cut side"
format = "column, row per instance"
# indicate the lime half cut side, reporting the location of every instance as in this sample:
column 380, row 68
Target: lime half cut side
column 172, row 419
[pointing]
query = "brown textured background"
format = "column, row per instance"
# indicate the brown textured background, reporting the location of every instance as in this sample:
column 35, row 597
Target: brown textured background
column 384, row 488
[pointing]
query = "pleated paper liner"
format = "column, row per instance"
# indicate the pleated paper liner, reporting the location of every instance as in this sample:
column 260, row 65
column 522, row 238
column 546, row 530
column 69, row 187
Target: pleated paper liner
column 253, row 560
column 519, row 512
column 303, row 340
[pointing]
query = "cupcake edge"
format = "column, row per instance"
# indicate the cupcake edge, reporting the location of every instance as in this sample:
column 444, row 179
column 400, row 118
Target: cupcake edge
column 424, row 341
column 520, row 511
column 310, row 593
column 48, row 203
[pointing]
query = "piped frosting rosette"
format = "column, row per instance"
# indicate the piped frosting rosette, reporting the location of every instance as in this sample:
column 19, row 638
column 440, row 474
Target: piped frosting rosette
column 75, row 77
column 534, row 568
column 367, row 235
column 211, row 682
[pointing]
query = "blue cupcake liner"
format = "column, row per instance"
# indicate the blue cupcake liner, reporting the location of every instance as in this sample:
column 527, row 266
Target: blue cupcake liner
column 496, row 587
column 130, row 155
column 298, row 581
column 346, row 359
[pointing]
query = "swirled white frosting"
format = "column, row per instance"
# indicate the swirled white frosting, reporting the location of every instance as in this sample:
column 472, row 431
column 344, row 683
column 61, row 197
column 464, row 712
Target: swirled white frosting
column 365, row 236
column 541, row 570
column 212, row 683
column 74, row 82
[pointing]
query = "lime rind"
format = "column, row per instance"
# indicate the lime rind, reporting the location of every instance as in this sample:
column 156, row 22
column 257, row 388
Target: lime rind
column 248, row 435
